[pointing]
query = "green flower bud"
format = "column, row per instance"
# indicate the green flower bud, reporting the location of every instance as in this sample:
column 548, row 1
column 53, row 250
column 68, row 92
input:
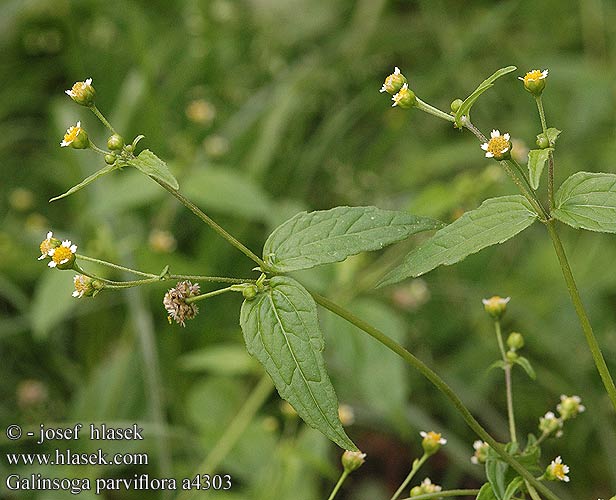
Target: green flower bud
column 570, row 406
column 86, row 286
column 405, row 98
column 432, row 442
column 115, row 142
column 110, row 158
column 394, row 82
column 82, row 93
column 455, row 105
column 250, row 291
column 542, row 141
column 352, row 460
column 515, row 341
column 534, row 81
column 496, row 306
column 511, row 356
column 129, row 148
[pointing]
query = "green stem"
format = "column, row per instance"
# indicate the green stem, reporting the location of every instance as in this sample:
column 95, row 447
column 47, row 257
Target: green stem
column 508, row 385
column 574, row 293
column 416, row 466
column 439, row 383
column 210, row 294
column 476, row 132
column 446, row 493
column 544, row 128
column 156, row 277
column 528, row 194
column 100, row 116
column 94, row 147
column 221, row 232
column 341, row 480
column 424, row 106
column 233, row 432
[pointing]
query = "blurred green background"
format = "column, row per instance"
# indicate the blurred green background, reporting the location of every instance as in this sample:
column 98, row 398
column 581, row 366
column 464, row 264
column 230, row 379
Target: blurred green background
column 263, row 108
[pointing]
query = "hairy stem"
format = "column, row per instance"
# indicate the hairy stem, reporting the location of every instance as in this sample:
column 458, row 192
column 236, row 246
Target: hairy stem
column 440, row 384
column 416, row 466
column 574, row 293
column 508, row 385
column 341, row 480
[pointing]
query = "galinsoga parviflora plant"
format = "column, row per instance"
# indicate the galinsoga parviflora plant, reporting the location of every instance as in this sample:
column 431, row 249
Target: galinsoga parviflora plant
column 278, row 316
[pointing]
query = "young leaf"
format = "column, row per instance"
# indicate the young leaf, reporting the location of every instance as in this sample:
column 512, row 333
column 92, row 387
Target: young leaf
column 311, row 239
column 525, row 364
column 486, row 493
column 552, row 134
column 465, row 108
column 513, row 487
column 99, row 173
column 496, row 471
column 281, row 330
column 536, row 162
column 152, row 166
column 495, row 221
column 588, row 201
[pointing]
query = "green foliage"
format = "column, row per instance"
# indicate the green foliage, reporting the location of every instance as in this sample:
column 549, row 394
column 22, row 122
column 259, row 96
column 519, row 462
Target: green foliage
column 282, row 331
column 152, row 166
column 465, row 107
column 536, row 162
column 311, row 239
column 588, row 201
column 495, row 221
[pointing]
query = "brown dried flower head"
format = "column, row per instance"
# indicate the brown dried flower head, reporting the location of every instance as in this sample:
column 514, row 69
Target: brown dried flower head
column 176, row 305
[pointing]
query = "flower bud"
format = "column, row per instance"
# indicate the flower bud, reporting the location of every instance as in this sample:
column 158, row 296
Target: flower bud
column 570, row 406
column 82, row 93
column 534, row 81
column 352, row 460
column 129, row 148
column 511, row 356
column 425, row 488
column 110, row 159
column 496, row 306
column 405, row 98
column 75, row 137
column 115, row 142
column 86, row 286
column 481, row 452
column 515, row 341
column 432, row 442
column 250, row 291
column 394, row 82
column 550, row 423
column 455, row 105
column 542, row 141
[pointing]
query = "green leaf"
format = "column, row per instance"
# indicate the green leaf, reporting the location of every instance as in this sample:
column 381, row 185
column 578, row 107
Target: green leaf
column 513, row 487
column 311, row 239
column 552, row 135
column 525, row 364
column 588, row 201
column 486, row 493
column 536, row 162
column 495, row 221
column 99, row 173
column 152, row 166
column 465, row 108
column 499, row 363
column 496, row 471
column 282, row 331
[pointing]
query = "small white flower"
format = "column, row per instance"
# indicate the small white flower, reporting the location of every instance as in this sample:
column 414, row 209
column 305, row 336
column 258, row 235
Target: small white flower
column 497, row 146
column 45, row 246
column 534, row 75
column 557, row 470
column 394, row 74
column 62, row 254
column 78, row 86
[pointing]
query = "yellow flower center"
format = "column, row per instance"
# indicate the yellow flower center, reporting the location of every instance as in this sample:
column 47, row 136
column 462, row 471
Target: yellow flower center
column 533, row 75
column 434, row 436
column 497, row 146
column 559, row 471
column 45, row 247
column 71, row 134
column 81, row 284
column 62, row 254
